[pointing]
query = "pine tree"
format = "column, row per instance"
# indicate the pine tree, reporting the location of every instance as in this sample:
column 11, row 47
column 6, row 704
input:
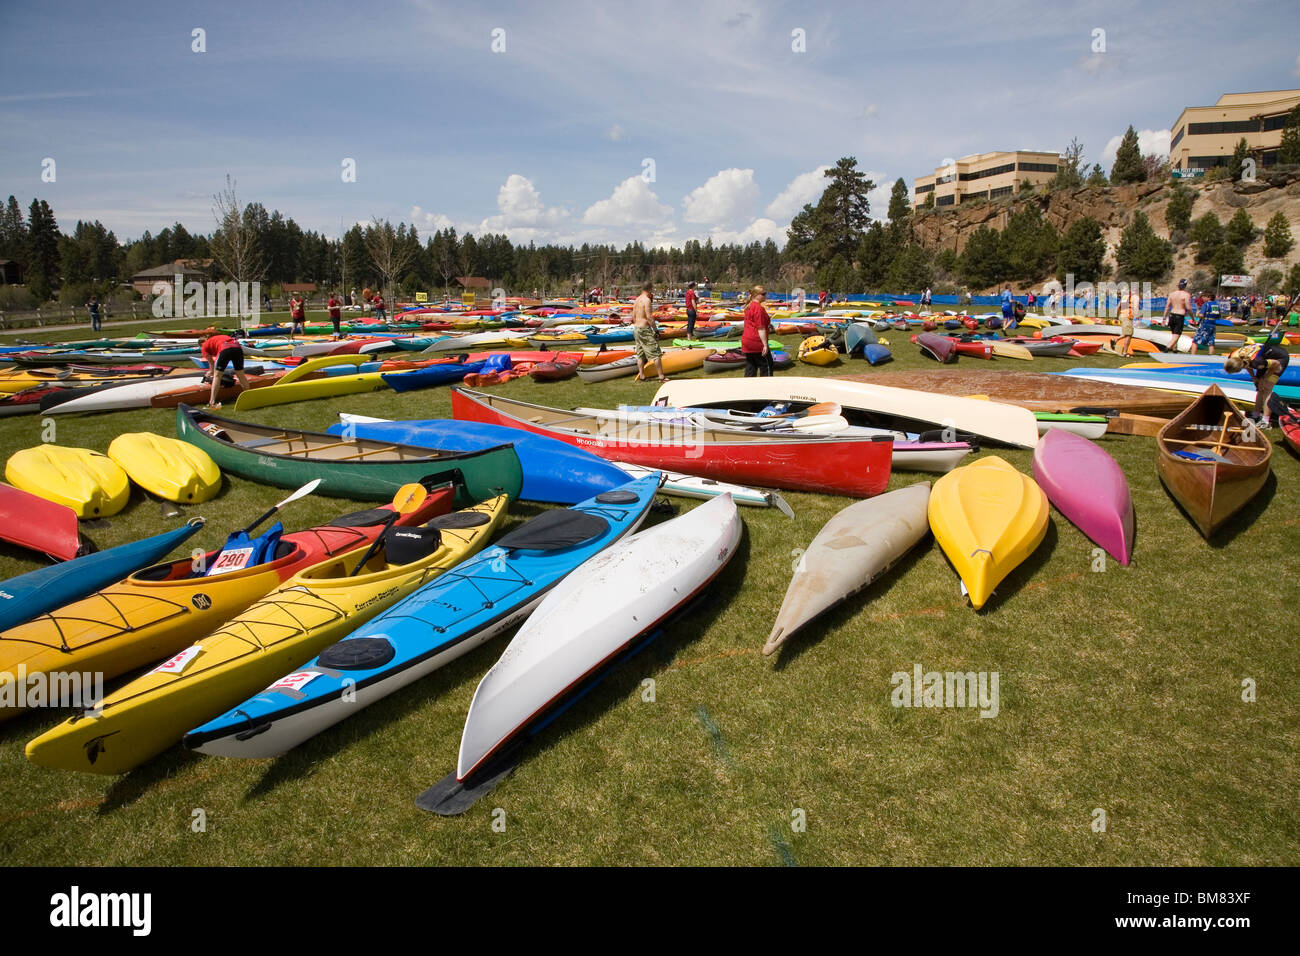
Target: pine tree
column 1237, row 162
column 1178, row 214
column 1207, row 233
column 1277, row 236
column 911, row 269
column 1241, row 228
column 42, row 250
column 982, row 261
column 900, row 206
column 1141, row 253
column 1068, row 174
column 1227, row 259
column 1293, row 280
column 1289, row 151
column 1082, row 251
column 1128, row 161
column 13, row 232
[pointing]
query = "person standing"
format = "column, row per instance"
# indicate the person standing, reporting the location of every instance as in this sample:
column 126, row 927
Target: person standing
column 336, row 314
column 352, row 299
column 1265, row 363
column 93, row 306
column 1177, row 307
column 691, row 313
column 1031, row 301
column 220, row 351
column 823, row 297
column 645, row 335
column 297, row 315
column 925, row 297
column 753, row 339
column 378, row 303
column 799, row 302
column 1008, row 309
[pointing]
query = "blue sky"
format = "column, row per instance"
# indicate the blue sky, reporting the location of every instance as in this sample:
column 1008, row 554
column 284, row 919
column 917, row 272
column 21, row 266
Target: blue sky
column 547, row 139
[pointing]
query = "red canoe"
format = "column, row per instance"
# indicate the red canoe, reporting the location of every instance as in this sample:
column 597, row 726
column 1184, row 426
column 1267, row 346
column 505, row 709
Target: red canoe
column 938, row 347
column 38, row 524
column 858, row 467
column 554, row 371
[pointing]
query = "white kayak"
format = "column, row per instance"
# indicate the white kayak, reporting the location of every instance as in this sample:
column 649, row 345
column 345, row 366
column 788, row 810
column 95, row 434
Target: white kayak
column 1089, row 430
column 1190, row 385
column 854, row 548
column 1161, row 337
column 691, row 486
column 1006, row 424
column 127, row 395
column 593, row 617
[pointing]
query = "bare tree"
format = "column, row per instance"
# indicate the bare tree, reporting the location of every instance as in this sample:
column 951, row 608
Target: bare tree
column 389, row 251
column 234, row 243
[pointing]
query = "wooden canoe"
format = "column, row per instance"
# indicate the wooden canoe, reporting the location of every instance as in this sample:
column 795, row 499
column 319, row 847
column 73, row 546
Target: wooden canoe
column 1211, row 460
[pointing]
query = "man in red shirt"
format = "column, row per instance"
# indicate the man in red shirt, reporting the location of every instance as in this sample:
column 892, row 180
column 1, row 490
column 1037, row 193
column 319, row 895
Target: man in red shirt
column 221, row 350
column 691, row 313
column 823, row 298
column 753, row 340
column 378, row 303
column 296, row 314
column 336, row 313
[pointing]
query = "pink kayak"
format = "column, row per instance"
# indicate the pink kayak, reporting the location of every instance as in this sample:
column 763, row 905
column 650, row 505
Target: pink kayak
column 1087, row 486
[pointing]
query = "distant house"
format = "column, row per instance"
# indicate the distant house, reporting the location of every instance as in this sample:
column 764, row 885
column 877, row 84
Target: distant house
column 289, row 288
column 473, row 282
column 190, row 270
column 11, row 272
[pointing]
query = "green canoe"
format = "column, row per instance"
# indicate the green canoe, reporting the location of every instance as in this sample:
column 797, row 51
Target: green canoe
column 348, row 467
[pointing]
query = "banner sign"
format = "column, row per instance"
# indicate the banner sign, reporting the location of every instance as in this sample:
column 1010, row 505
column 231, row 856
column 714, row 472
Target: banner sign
column 467, row 299
column 421, row 297
column 1188, row 173
column 1237, row 280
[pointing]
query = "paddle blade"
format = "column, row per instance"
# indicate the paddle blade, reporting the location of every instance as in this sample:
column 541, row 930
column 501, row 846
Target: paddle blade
column 409, row 497
column 301, row 492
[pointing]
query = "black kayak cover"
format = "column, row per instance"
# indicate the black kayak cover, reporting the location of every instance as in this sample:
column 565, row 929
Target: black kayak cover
column 553, row 530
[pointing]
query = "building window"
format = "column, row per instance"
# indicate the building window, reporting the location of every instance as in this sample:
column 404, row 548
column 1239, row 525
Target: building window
column 1206, row 162
column 970, row 197
column 1275, row 122
column 1036, row 167
column 925, row 189
column 1229, row 126
column 1003, row 191
column 944, row 201
column 983, row 173
column 1268, row 158
column 1177, row 136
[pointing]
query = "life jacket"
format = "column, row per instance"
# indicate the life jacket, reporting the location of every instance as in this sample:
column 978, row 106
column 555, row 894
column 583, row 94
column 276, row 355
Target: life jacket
column 240, row 551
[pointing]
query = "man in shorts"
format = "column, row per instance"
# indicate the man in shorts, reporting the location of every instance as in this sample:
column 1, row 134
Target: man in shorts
column 1265, row 363
column 1128, row 311
column 222, row 351
column 645, row 335
column 1177, row 306
column 691, row 313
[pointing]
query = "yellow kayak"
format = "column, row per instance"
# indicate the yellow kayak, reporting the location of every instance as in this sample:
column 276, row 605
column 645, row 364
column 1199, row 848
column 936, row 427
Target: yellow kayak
column 167, row 467
column 815, row 350
column 88, row 482
column 282, row 393
column 987, row 517
column 157, row 611
column 283, row 631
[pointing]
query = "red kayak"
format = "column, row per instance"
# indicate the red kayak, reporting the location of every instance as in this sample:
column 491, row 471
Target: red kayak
column 971, row 323
column 41, row 525
column 938, row 347
column 1290, row 425
column 554, row 371
column 858, row 467
column 976, row 349
column 28, row 400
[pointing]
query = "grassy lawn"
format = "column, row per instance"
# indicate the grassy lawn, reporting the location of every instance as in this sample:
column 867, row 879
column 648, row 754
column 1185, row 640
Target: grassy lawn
column 1120, row 690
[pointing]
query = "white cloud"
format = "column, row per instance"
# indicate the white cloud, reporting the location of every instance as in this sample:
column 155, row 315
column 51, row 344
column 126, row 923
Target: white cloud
column 878, row 198
column 1295, row 70
column 726, row 199
column 871, row 112
column 614, row 133
column 632, row 203
column 1149, row 141
column 804, row 188
column 521, row 213
column 428, row 221
column 760, row 230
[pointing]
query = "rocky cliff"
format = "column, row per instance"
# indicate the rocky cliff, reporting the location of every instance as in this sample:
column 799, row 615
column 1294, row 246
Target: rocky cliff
column 1113, row 207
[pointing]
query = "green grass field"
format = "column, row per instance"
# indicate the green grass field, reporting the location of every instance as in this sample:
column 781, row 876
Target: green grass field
column 1120, row 690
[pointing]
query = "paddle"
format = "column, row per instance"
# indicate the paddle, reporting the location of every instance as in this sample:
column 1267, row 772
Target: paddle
column 300, row 493
column 408, row 498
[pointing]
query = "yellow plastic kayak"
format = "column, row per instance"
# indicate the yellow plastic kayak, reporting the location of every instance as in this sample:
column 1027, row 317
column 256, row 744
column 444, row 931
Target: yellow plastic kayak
column 282, row 393
column 987, row 517
column 88, row 482
column 158, row 611
column 815, row 350
column 167, row 467
column 283, row 631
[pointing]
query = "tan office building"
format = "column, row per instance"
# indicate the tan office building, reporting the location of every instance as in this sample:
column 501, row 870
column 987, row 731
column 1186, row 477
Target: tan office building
column 1205, row 136
column 984, row 176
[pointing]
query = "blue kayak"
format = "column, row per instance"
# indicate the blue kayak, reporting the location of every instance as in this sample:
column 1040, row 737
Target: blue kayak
column 876, row 354
column 28, row 595
column 609, row 338
column 554, row 472
column 468, row 605
column 1290, row 374
column 430, row 375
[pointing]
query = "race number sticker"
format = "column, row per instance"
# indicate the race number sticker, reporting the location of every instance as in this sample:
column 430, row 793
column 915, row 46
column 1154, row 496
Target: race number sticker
column 295, row 681
column 178, row 663
column 236, row 559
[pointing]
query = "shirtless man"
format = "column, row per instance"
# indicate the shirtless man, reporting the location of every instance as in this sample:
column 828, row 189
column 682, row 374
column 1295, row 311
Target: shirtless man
column 646, row 335
column 1177, row 308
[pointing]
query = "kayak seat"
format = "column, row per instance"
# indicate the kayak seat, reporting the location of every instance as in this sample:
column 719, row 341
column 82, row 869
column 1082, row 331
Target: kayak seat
column 404, row 545
column 459, row 519
column 616, row 497
column 555, row 529
column 363, row 519
column 357, row 654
